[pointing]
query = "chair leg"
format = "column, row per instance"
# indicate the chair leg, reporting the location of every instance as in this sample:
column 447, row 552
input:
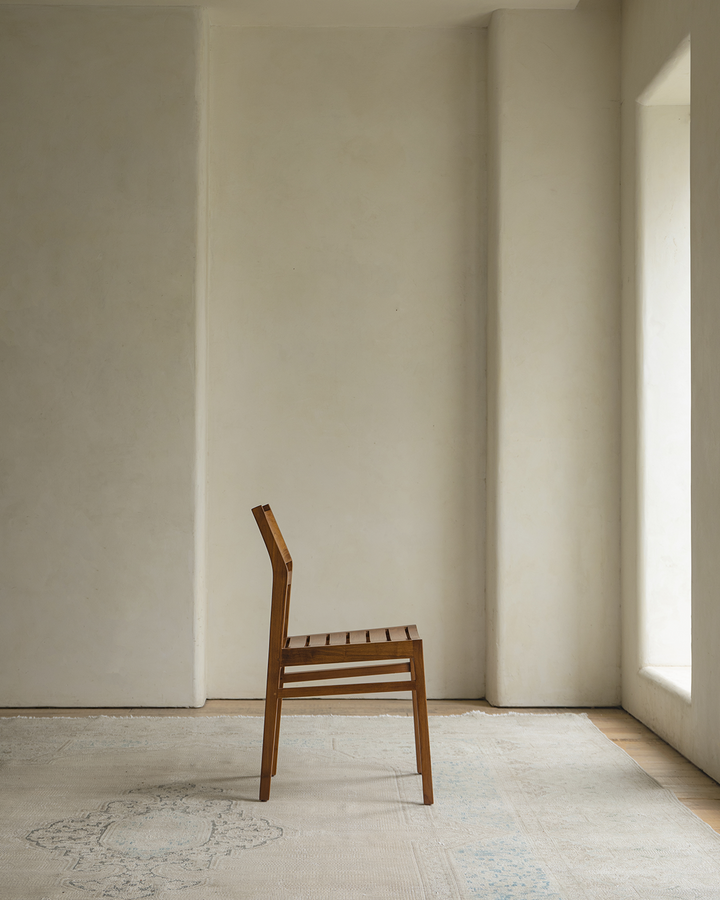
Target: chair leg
column 270, row 737
column 421, row 723
column 418, row 753
column 277, row 736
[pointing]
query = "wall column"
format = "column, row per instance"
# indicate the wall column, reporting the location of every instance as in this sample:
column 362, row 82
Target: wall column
column 553, row 349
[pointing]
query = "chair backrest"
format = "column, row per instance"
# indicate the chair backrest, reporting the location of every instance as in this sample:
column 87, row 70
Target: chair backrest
column 282, row 576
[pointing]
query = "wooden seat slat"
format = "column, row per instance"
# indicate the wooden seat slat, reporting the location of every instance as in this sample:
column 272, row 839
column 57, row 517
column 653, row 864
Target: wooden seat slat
column 297, row 640
column 399, row 633
column 413, row 633
column 338, row 637
column 378, row 635
column 358, row 637
column 318, row 640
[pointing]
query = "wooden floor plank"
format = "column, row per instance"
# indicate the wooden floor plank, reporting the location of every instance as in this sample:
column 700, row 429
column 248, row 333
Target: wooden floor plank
column 694, row 788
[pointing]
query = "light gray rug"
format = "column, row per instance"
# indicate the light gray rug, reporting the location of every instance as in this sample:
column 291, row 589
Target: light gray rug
column 528, row 807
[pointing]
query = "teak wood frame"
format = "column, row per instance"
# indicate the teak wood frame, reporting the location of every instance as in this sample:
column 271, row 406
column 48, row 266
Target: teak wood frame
column 365, row 646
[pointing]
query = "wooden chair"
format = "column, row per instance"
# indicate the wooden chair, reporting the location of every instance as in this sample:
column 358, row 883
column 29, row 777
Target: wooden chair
column 340, row 647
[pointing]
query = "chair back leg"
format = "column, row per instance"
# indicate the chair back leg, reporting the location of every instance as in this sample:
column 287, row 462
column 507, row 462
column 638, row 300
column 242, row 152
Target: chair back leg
column 277, row 736
column 271, row 730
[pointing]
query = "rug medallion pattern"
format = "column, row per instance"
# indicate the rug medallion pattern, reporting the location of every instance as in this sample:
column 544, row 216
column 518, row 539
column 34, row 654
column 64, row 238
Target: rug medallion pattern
column 166, row 840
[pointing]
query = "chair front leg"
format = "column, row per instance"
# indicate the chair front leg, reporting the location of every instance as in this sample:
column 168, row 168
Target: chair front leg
column 416, row 718
column 421, row 723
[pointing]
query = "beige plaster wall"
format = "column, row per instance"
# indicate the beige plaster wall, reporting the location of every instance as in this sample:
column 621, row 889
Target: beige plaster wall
column 346, row 314
column 652, row 30
column 553, row 365
column 97, row 342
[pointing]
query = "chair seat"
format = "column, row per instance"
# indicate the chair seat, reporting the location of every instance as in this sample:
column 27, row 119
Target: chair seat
column 367, row 636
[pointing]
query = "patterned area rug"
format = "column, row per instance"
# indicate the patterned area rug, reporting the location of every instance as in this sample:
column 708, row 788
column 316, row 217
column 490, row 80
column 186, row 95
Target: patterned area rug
column 528, row 807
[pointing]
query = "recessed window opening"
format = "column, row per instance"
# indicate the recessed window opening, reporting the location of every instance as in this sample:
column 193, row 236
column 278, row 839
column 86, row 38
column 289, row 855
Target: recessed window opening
column 664, row 238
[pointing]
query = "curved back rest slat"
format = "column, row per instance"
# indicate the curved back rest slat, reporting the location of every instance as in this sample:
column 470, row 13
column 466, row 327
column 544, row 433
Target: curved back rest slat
column 282, row 576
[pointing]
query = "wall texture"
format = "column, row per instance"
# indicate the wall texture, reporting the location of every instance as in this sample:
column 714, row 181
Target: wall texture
column 345, row 339
column 97, row 383
column 553, row 364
